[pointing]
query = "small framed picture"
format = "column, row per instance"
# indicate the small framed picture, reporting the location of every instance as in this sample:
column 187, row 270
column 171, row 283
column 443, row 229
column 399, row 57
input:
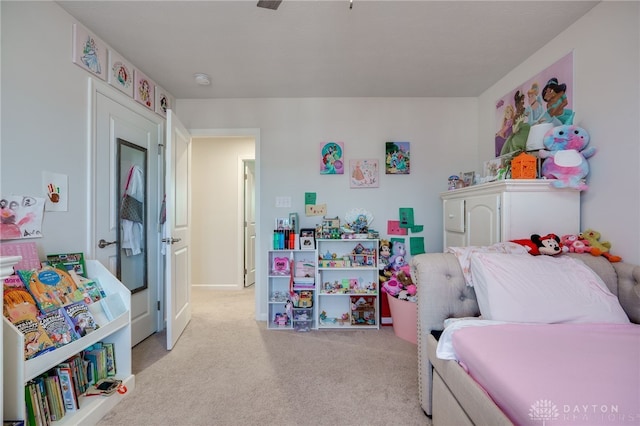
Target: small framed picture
column 282, row 223
column 497, row 168
column 307, row 239
column 468, row 178
column 293, row 222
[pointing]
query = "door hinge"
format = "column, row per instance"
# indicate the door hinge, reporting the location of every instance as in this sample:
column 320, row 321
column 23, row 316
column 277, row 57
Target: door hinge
column 158, row 305
column 160, row 146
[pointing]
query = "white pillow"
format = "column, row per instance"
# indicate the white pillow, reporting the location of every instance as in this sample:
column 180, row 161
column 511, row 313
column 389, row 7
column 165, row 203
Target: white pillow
column 542, row 289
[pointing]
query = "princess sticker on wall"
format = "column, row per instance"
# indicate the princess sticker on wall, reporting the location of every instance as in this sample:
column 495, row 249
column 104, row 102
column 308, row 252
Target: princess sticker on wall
column 331, row 161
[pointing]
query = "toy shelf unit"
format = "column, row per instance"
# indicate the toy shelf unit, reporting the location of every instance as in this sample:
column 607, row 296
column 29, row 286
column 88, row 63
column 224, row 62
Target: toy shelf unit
column 292, row 290
column 347, row 284
column 114, row 327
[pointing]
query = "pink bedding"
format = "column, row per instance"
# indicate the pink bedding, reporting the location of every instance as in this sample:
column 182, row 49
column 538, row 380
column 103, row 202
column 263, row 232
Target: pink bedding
column 557, row 374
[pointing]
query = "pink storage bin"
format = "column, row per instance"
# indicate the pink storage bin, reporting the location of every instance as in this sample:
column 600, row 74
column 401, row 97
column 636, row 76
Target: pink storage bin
column 405, row 319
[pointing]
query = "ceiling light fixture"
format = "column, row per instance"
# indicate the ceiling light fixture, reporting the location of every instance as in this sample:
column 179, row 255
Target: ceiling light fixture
column 202, row 79
column 269, row 4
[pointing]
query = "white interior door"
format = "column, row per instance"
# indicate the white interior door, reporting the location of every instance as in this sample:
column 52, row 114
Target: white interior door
column 114, row 120
column 249, row 224
column 177, row 229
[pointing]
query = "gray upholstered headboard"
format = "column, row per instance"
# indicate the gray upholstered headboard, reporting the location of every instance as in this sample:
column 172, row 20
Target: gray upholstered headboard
column 443, row 294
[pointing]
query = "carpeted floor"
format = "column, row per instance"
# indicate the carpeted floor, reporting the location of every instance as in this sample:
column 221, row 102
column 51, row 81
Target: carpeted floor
column 228, row 369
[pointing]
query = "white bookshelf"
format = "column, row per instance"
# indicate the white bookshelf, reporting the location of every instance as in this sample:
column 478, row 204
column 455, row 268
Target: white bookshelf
column 17, row 371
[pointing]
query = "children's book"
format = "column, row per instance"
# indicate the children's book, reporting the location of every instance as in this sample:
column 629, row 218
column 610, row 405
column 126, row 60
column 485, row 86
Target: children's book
column 36, row 340
column 20, row 308
column 81, row 317
column 59, row 327
column 111, row 359
column 42, row 398
column 52, row 288
column 72, row 261
column 67, row 386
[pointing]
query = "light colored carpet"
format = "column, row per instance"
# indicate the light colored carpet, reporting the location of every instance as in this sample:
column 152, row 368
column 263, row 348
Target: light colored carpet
column 228, row 369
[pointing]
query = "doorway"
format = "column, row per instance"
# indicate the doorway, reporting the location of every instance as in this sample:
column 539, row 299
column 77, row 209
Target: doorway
column 219, row 254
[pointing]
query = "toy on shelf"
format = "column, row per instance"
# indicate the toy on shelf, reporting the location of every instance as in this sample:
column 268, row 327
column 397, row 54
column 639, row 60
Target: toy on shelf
column 599, row 248
column 566, row 156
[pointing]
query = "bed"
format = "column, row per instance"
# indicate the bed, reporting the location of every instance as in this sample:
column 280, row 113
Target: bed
column 450, row 391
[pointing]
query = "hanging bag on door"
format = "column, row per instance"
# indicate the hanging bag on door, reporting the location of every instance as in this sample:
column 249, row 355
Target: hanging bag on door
column 130, row 208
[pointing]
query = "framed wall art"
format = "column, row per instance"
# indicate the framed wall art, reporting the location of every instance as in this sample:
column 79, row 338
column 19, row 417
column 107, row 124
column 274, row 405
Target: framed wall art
column 120, row 73
column 163, row 101
column 397, row 158
column 144, row 89
column 364, row 173
column 89, row 52
column 331, row 158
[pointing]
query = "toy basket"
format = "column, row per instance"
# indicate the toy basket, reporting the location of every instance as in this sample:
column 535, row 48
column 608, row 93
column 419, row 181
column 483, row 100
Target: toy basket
column 405, row 319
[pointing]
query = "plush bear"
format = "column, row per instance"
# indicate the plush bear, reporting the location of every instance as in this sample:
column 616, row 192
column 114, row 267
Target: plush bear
column 574, row 244
column 536, row 245
column 398, row 252
column 599, row 248
column 566, row 156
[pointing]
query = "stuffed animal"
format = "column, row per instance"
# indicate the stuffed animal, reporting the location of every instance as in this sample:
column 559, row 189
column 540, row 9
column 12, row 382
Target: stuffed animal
column 548, row 244
column 574, row 244
column 566, row 156
column 398, row 252
column 599, row 248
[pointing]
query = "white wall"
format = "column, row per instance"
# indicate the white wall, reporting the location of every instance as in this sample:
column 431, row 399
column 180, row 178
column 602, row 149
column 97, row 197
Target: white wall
column 442, row 132
column 44, row 117
column 606, row 45
column 217, row 198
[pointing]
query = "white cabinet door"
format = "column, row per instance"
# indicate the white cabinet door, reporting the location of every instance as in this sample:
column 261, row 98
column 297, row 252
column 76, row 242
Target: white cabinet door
column 483, row 220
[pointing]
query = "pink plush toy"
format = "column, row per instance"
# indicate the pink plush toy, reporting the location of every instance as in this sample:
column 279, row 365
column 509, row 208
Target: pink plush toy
column 566, row 156
column 575, row 244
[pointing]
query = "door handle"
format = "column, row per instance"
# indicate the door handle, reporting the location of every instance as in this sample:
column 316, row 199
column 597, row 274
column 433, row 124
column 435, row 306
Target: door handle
column 171, row 240
column 102, row 243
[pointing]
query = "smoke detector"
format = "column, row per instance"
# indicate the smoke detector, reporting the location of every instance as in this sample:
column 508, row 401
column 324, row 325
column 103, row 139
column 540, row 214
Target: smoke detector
column 202, row 79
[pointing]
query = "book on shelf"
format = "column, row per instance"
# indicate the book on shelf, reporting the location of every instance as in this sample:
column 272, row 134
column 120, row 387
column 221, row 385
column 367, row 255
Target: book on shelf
column 96, row 354
column 81, row 317
column 54, row 397
column 72, row 261
column 20, row 309
column 59, row 327
column 52, row 288
column 67, row 388
column 43, row 403
column 33, row 413
column 111, row 359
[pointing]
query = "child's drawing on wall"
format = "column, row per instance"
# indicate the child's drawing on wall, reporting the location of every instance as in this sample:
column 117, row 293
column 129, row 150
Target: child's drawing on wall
column 21, row 217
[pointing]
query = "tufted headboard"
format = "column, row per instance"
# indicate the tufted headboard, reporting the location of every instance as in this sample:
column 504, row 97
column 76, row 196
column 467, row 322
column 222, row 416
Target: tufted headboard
column 443, row 293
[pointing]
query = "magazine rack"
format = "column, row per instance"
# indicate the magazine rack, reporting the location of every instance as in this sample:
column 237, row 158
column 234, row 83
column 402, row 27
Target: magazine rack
column 112, row 314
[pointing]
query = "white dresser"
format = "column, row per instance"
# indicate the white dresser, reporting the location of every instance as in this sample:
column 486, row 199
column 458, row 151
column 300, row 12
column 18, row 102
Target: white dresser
column 505, row 210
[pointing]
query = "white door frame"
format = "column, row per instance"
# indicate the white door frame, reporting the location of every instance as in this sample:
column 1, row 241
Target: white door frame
column 96, row 86
column 255, row 134
column 242, row 207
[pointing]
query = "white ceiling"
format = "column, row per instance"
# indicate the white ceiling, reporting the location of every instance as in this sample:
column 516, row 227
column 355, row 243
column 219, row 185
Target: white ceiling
column 310, row 48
